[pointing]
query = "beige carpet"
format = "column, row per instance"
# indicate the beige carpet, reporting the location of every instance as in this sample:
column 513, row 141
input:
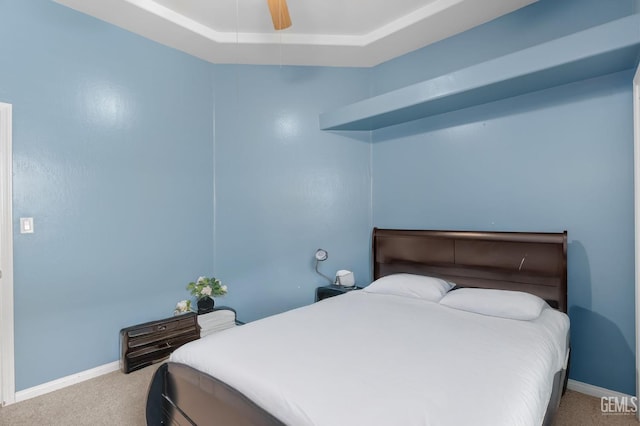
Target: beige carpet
column 119, row 399
column 113, row 399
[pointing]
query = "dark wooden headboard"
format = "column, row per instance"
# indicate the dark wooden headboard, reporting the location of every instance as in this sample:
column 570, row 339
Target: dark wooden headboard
column 525, row 261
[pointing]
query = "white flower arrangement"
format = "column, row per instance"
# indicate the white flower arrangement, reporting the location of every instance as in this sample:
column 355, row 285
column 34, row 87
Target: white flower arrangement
column 205, row 287
column 182, row 307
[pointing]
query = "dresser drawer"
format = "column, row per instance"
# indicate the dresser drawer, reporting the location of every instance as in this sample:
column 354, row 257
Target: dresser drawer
column 161, row 326
column 145, row 344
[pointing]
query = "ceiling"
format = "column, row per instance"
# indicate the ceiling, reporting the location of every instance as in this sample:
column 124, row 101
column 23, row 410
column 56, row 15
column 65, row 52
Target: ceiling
column 361, row 33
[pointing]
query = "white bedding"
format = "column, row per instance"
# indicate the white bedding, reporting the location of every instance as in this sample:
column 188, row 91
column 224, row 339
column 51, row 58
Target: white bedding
column 372, row 359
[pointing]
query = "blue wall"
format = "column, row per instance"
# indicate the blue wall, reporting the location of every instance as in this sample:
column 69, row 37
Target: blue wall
column 112, row 149
column 547, row 161
column 284, row 188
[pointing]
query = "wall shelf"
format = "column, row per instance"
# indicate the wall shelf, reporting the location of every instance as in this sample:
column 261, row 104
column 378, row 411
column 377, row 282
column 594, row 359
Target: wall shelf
column 600, row 50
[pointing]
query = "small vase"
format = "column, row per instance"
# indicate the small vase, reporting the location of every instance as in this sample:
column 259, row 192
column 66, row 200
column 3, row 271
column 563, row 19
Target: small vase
column 205, row 305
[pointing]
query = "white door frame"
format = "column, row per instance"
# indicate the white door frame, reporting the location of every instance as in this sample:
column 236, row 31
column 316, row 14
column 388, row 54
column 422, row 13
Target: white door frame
column 636, row 175
column 7, row 370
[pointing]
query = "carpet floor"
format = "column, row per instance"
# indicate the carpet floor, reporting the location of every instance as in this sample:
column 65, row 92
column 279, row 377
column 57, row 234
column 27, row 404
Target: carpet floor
column 119, row 399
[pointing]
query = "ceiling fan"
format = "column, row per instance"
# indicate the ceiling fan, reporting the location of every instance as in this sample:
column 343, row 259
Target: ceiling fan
column 279, row 14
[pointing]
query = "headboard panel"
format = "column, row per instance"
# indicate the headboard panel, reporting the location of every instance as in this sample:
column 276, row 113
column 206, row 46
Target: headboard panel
column 532, row 262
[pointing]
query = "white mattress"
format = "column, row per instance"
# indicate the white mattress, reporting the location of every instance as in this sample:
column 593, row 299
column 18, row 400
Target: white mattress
column 372, row 359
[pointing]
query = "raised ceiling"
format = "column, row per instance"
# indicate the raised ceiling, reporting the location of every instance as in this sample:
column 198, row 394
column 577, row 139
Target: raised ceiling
column 360, row 33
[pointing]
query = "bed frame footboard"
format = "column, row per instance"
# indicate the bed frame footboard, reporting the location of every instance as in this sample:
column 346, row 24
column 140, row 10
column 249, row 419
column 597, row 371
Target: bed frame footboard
column 181, row 395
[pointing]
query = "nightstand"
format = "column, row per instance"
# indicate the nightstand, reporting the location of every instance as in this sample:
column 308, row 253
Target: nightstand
column 151, row 342
column 219, row 319
column 333, row 290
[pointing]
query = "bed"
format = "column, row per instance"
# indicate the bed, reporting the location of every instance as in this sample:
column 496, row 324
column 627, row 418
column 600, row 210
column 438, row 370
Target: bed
column 377, row 357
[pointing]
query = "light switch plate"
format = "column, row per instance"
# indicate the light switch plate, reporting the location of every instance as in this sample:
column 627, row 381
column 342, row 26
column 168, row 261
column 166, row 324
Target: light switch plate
column 26, row 225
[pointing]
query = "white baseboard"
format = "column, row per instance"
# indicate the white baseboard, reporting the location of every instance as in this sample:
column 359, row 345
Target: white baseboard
column 63, row 382
column 592, row 390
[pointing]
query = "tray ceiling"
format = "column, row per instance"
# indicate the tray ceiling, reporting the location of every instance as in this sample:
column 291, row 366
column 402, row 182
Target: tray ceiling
column 328, row 32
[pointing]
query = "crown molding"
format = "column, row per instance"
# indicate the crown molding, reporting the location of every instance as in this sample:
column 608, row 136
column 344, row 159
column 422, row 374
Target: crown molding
column 434, row 21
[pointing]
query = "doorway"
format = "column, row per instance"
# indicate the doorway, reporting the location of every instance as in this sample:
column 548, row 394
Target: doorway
column 636, row 167
column 7, row 372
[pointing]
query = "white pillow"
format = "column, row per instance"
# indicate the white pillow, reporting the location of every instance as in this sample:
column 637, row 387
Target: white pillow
column 496, row 303
column 409, row 285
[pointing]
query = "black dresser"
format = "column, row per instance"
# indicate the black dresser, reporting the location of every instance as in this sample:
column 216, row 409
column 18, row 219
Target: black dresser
column 145, row 344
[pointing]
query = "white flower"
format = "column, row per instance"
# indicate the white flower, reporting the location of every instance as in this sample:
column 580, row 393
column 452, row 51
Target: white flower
column 206, row 291
column 224, row 288
column 200, row 279
column 182, row 307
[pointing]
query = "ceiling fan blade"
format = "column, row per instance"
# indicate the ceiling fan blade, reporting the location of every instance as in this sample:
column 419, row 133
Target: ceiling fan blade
column 279, row 14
